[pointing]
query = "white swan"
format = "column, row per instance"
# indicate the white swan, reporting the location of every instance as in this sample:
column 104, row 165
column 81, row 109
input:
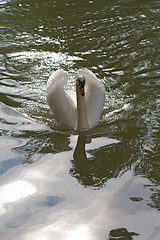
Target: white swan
column 76, row 110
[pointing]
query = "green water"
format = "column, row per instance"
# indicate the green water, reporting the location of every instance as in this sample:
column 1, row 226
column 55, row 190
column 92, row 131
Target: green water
column 54, row 182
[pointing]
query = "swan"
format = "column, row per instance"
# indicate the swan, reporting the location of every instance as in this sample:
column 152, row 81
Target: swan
column 78, row 110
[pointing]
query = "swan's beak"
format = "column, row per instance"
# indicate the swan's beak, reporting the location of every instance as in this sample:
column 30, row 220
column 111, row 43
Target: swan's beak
column 82, row 92
column 81, row 83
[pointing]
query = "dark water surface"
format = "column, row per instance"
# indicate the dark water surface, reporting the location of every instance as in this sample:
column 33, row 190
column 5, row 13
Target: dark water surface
column 54, row 183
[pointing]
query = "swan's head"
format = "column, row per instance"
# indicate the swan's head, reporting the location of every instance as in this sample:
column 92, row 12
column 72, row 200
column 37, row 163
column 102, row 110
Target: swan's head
column 81, row 84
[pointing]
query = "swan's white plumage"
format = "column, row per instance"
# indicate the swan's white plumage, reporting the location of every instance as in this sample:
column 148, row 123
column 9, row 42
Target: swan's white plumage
column 63, row 103
column 60, row 101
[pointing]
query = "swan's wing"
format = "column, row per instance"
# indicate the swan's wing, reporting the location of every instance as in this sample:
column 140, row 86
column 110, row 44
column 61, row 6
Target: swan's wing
column 60, row 101
column 95, row 96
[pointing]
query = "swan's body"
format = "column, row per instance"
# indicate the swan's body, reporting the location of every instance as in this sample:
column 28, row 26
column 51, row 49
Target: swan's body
column 76, row 110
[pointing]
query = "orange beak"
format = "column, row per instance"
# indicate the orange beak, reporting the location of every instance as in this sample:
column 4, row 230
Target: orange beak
column 82, row 92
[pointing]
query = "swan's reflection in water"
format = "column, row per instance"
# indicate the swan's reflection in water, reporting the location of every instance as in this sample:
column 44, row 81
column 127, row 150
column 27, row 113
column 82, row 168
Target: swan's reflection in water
column 81, row 161
column 84, row 164
column 88, row 164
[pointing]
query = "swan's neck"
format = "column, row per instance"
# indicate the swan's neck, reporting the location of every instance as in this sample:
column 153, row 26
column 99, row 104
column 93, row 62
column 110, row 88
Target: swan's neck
column 81, row 111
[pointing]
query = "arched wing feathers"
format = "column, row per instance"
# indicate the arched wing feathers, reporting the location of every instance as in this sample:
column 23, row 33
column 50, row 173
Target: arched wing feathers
column 59, row 101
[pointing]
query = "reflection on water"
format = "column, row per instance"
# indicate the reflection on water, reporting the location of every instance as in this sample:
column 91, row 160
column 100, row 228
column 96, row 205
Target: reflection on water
column 85, row 169
column 81, row 162
column 13, row 192
column 60, row 184
column 69, row 210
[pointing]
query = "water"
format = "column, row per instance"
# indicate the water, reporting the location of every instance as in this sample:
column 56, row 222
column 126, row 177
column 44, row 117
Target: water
column 54, row 183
